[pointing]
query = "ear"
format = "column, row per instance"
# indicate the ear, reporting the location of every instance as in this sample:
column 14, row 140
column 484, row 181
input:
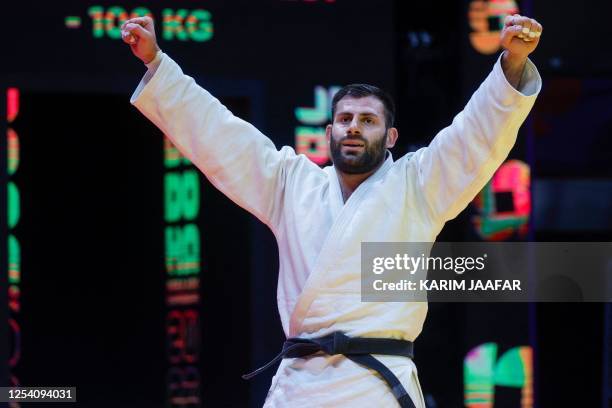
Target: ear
column 392, row 136
column 328, row 132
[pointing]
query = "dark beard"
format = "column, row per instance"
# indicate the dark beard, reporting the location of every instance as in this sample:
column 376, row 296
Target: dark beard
column 371, row 157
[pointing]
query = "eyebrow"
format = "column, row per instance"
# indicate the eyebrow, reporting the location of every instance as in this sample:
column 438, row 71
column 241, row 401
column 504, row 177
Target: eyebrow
column 360, row 113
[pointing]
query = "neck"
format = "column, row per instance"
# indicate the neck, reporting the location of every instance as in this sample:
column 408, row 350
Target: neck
column 350, row 182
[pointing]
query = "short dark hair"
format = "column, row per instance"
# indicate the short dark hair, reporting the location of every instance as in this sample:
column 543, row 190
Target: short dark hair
column 363, row 90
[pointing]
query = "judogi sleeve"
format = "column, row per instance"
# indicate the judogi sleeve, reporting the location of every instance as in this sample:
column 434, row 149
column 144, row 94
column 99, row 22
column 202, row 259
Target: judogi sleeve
column 463, row 157
column 237, row 158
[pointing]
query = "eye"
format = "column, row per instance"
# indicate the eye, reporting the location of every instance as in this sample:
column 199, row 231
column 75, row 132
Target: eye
column 369, row 121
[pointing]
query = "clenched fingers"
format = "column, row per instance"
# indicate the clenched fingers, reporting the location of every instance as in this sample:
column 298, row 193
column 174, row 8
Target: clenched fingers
column 525, row 28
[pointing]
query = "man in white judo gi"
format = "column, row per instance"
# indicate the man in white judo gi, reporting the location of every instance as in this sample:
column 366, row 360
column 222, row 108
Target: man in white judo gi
column 321, row 216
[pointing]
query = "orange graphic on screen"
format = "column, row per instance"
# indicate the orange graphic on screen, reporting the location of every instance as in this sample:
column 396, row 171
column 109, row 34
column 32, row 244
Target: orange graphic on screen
column 486, row 20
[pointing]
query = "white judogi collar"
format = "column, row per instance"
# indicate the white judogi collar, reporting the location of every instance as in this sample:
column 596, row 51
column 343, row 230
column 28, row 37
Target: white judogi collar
column 337, row 202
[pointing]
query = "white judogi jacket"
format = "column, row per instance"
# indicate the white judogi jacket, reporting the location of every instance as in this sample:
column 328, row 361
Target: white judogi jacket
column 319, row 236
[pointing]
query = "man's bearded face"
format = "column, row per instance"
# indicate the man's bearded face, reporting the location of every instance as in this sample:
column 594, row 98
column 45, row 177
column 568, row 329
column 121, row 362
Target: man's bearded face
column 359, row 135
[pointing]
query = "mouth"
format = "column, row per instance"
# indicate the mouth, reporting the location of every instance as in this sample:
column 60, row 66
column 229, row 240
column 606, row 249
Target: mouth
column 352, row 144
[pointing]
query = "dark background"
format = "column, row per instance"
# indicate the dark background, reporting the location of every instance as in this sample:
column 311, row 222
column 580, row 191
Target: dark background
column 91, row 184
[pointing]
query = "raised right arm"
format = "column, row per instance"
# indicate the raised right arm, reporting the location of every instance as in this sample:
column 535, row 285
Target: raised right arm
column 237, row 158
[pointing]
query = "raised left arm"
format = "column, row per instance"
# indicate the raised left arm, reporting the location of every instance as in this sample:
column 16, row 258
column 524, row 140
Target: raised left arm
column 519, row 38
column 463, row 157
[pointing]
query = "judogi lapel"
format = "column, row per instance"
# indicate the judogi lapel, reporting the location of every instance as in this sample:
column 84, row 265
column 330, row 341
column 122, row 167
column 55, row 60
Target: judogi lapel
column 344, row 214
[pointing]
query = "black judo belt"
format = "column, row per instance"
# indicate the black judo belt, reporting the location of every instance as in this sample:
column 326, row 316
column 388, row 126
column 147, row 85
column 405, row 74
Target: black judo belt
column 358, row 349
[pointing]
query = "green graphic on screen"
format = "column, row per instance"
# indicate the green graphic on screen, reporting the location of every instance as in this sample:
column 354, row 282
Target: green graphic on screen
column 182, row 266
column 310, row 134
column 180, row 24
column 482, row 371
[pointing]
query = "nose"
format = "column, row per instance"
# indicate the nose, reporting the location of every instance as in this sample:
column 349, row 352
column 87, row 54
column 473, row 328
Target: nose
column 353, row 128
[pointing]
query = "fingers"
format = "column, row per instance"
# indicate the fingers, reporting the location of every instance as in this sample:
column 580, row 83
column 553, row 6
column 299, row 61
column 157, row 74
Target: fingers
column 536, row 28
column 139, row 32
column 515, row 31
column 145, row 21
column 512, row 20
column 510, row 34
column 128, row 37
column 135, row 28
column 132, row 32
column 526, row 30
column 530, row 29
